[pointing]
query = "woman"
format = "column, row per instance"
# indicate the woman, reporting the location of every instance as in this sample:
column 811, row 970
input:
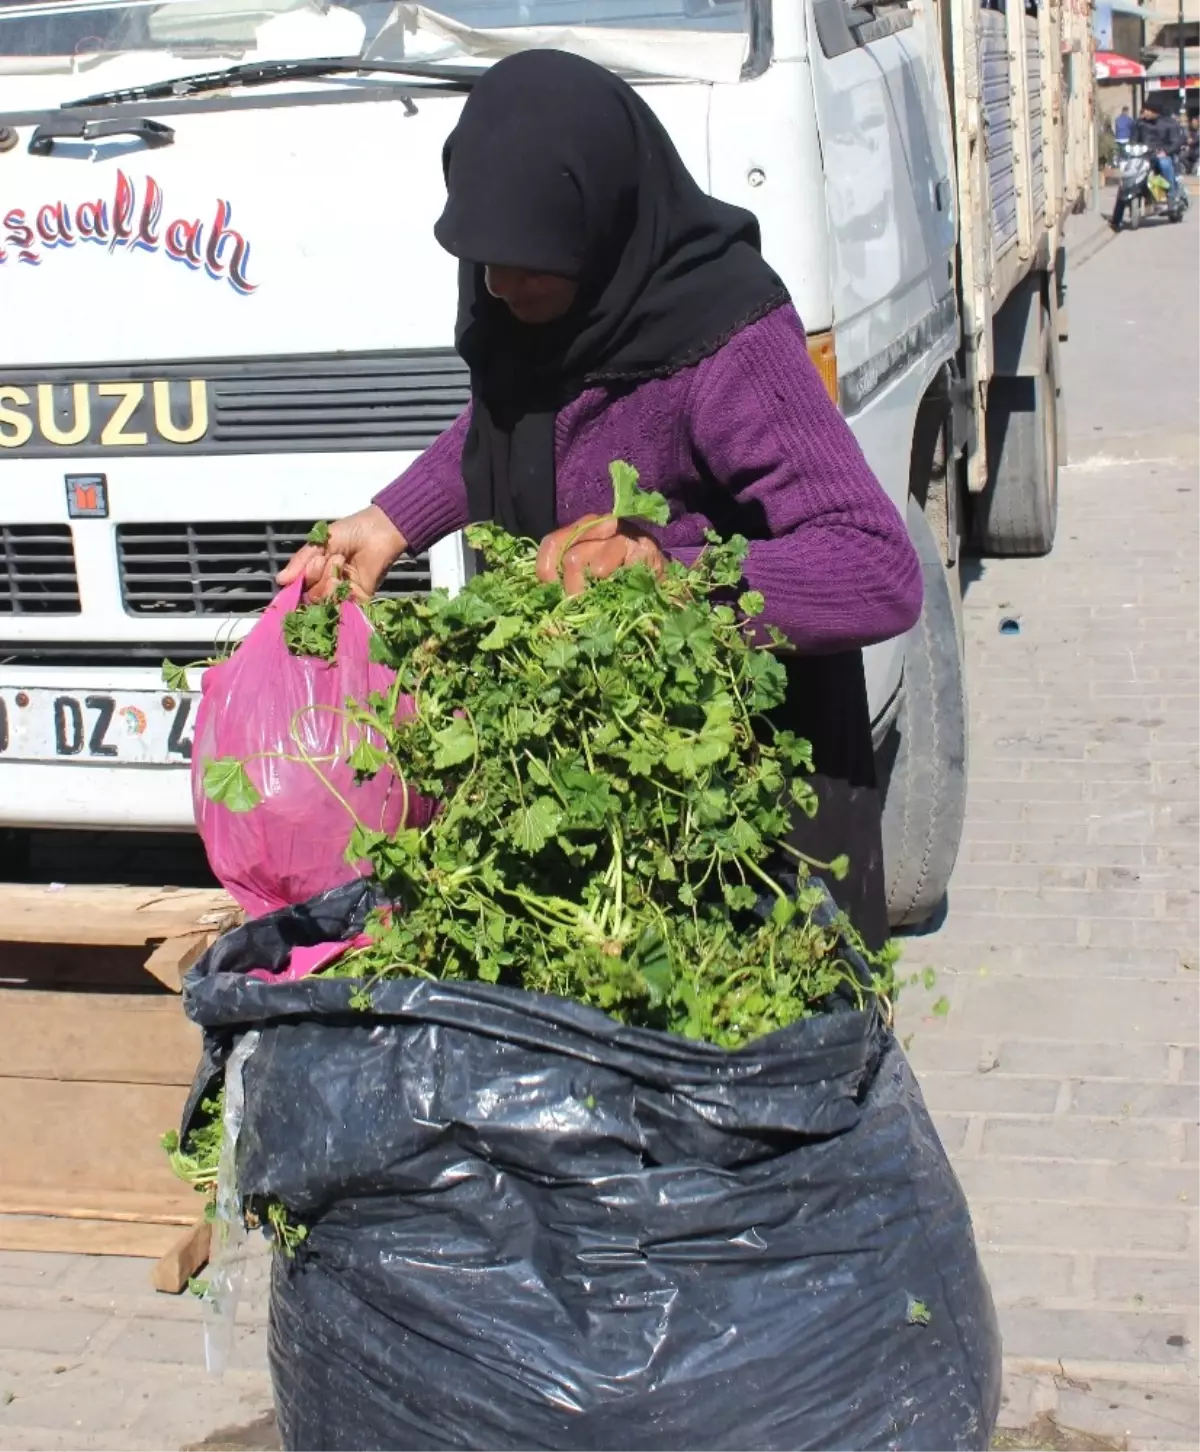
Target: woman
column 609, row 309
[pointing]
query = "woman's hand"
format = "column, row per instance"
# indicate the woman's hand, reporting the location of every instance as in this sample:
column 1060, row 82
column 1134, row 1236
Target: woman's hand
column 594, row 547
column 361, row 549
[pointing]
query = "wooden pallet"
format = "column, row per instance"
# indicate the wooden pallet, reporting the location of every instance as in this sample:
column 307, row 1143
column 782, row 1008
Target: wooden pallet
column 91, row 1076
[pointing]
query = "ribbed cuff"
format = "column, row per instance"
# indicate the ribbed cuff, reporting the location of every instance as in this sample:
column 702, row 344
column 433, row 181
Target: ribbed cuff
column 422, row 507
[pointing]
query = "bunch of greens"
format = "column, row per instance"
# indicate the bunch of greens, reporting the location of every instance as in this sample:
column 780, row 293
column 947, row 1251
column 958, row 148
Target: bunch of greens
column 196, row 1159
column 309, row 630
column 615, row 799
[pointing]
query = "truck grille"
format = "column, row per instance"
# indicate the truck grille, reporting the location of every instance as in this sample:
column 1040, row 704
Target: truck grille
column 402, row 401
column 221, row 569
column 37, row 570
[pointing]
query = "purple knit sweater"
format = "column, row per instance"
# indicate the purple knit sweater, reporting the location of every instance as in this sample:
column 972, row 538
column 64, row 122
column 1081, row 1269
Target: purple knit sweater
column 753, row 421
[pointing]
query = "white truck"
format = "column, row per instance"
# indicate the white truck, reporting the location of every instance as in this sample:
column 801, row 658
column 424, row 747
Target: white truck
column 223, row 315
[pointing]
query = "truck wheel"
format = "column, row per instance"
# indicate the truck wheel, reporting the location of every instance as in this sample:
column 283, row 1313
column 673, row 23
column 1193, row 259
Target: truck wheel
column 925, row 796
column 1017, row 514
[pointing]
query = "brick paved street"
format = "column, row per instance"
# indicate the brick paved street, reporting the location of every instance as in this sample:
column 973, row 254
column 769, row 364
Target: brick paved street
column 1064, row 1076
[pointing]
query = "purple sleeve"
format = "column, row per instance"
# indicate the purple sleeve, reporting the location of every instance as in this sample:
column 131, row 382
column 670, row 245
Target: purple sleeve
column 429, row 500
column 838, row 570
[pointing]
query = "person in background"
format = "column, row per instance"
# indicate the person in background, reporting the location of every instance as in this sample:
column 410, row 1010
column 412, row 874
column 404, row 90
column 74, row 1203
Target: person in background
column 1123, row 126
column 1191, row 151
column 610, row 309
column 1165, row 138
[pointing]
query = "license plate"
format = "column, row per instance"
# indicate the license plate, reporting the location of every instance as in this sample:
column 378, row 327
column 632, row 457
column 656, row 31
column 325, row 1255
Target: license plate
column 119, row 728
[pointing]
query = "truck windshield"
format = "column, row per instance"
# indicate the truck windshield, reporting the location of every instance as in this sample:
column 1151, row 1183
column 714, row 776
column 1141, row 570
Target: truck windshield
column 706, row 39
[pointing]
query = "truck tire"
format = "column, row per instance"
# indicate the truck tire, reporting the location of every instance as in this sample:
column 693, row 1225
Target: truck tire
column 925, row 796
column 1017, row 514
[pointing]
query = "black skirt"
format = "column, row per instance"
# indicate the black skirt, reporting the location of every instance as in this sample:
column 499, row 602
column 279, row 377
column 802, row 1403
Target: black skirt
column 826, row 704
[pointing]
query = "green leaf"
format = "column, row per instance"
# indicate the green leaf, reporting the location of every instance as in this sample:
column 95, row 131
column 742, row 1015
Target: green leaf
column 366, row 759
column 746, row 838
column 794, row 749
column 751, row 602
column 175, row 677
column 455, row 744
column 769, row 679
column 917, row 1313
column 804, row 796
column 506, row 629
column 589, row 798
column 313, row 629
column 227, row 781
column 363, row 843
column 840, row 868
column 711, row 806
column 560, row 655
column 929, row 978
column 685, row 630
column 630, row 502
column 318, row 534
column 739, row 896
column 535, row 824
column 783, row 912
column 652, row 957
column 941, row 1008
column 599, row 640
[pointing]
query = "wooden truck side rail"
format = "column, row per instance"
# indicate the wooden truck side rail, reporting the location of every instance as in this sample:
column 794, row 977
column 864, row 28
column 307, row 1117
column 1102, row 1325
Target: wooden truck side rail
column 1022, row 140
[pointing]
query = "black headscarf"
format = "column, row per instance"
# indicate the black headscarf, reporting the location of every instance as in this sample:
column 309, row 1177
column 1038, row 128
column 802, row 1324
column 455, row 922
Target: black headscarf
column 557, row 165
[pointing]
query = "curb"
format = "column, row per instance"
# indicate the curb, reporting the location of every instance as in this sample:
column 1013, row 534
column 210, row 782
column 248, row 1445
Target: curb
column 1093, row 243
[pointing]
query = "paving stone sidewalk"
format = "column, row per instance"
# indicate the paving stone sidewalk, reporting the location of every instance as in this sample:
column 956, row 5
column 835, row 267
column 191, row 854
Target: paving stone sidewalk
column 1064, row 1078
column 92, row 1358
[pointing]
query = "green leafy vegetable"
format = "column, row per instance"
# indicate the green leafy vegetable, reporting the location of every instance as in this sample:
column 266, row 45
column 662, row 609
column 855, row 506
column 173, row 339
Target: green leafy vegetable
column 313, row 629
column 917, row 1313
column 318, row 534
column 227, row 781
column 195, row 1159
column 366, row 759
column 175, row 677
column 630, row 502
column 615, row 800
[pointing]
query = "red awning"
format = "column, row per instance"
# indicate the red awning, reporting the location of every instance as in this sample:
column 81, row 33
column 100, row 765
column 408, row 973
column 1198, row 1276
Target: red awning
column 1112, row 67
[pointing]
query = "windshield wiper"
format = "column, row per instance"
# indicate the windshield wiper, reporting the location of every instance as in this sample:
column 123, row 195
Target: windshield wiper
column 263, row 73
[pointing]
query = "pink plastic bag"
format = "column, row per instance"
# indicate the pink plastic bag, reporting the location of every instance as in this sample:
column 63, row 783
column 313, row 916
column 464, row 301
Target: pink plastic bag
column 283, row 716
column 303, row 961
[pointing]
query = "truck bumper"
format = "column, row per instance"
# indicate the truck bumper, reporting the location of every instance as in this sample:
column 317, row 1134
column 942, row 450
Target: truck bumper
column 103, row 798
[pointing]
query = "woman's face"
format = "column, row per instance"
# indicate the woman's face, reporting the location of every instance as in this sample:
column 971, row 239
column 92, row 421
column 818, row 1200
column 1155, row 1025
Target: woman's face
column 531, row 297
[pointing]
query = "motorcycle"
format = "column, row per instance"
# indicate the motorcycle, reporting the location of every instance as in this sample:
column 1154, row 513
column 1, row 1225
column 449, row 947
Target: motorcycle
column 1143, row 190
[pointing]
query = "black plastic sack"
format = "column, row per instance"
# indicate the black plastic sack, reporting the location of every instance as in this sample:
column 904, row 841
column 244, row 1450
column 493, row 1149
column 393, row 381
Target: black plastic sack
column 530, row 1227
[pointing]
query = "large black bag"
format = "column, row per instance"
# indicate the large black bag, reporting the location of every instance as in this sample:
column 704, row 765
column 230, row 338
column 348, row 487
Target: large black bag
column 531, row 1227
